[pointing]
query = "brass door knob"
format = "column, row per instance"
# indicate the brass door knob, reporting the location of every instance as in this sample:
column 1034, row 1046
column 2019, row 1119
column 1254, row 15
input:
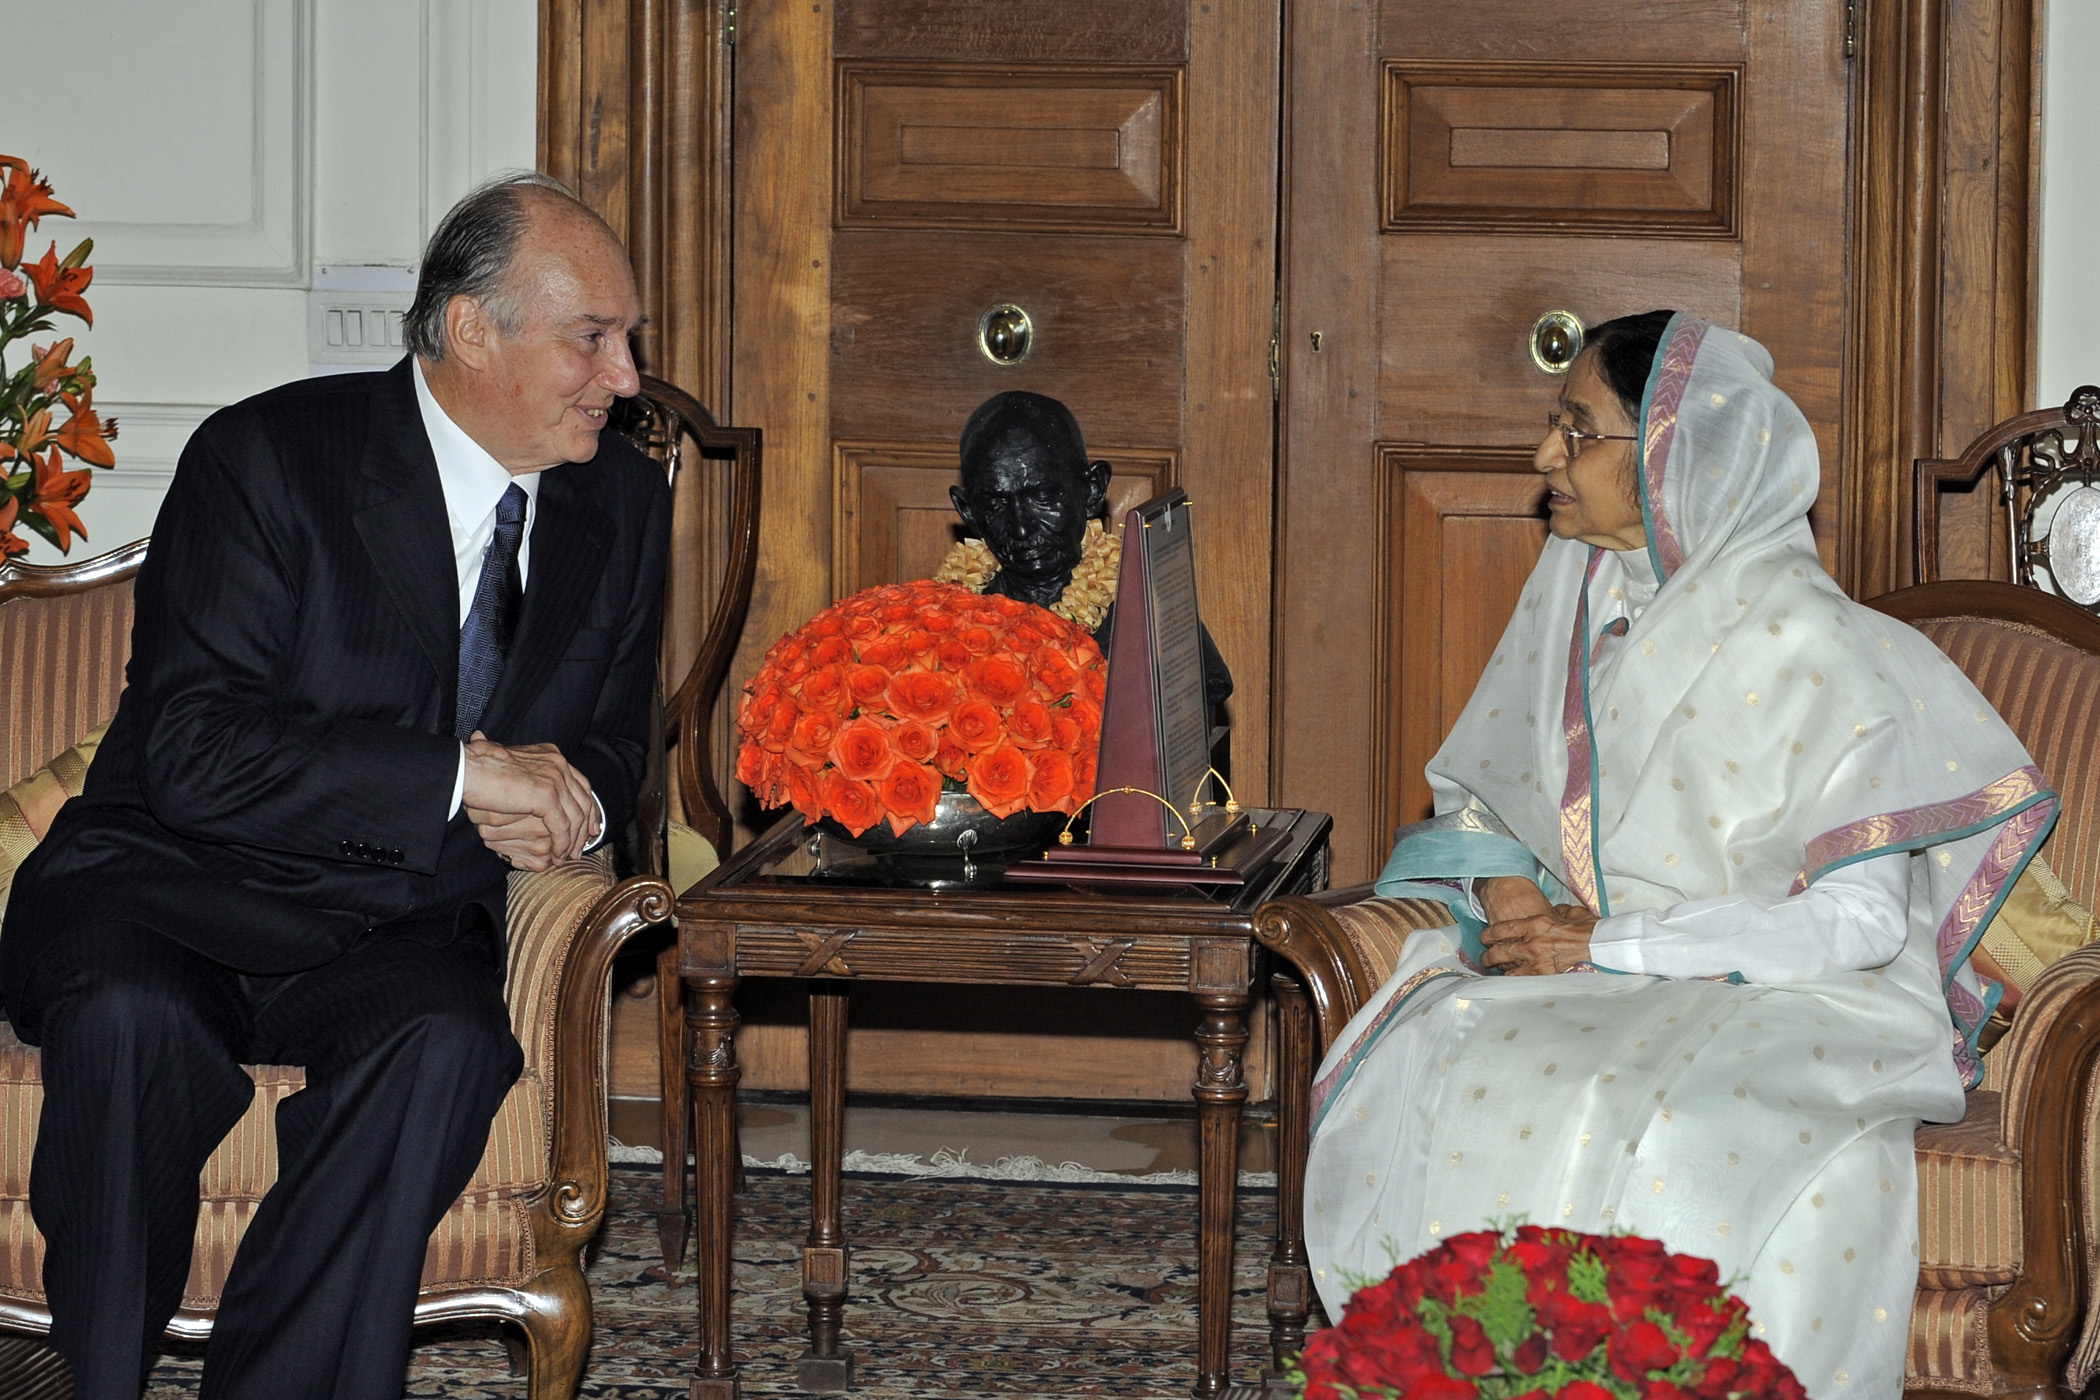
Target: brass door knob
column 1556, row 339
column 1005, row 334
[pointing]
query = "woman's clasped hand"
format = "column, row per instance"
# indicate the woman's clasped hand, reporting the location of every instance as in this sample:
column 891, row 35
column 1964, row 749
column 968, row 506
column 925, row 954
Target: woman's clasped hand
column 1527, row 934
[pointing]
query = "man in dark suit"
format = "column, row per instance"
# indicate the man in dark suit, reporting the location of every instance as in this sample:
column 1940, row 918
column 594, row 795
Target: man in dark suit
column 396, row 633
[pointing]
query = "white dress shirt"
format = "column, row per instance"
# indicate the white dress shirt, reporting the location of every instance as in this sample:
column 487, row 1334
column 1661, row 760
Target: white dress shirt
column 474, row 482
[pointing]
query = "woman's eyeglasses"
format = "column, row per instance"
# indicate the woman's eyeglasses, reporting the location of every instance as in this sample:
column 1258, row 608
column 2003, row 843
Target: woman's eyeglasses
column 1573, row 438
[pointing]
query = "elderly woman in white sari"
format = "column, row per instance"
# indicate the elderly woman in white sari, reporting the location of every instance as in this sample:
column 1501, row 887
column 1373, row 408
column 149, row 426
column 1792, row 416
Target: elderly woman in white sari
column 1717, row 843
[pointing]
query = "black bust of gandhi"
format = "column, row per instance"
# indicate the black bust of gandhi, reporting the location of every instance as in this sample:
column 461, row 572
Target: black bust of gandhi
column 1028, row 492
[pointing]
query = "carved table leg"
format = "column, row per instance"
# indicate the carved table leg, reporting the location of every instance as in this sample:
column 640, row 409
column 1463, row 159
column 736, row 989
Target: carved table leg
column 1290, row 1278
column 825, row 1367
column 1219, row 1091
column 712, row 1073
column 671, row 1220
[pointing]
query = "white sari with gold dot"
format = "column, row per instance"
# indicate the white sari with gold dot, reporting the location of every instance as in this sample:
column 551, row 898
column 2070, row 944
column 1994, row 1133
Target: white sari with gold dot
column 1794, row 818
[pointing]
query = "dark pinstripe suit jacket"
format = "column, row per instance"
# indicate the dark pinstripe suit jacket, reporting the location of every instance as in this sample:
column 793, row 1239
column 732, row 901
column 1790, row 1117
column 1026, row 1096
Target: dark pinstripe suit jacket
column 276, row 779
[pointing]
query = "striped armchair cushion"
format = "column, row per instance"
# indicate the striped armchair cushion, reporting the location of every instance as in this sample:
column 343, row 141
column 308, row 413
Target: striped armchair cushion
column 2049, row 693
column 83, row 638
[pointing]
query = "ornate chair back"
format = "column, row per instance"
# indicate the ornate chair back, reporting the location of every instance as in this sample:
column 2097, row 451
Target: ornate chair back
column 2048, row 492
column 71, row 616
column 714, row 559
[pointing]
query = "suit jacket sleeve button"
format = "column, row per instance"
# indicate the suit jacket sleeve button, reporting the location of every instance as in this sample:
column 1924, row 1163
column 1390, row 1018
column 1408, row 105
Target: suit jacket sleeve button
column 343, row 846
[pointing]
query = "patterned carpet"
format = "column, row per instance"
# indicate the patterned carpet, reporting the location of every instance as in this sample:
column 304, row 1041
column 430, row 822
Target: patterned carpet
column 960, row 1288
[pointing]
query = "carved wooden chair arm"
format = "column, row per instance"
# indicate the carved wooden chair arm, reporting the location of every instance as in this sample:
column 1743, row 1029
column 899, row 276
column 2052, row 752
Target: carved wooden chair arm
column 566, row 924
column 2053, row 1049
column 1308, row 936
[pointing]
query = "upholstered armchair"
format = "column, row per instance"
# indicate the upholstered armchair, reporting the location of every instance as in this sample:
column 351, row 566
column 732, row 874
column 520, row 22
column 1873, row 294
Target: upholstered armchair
column 511, row 1247
column 2009, row 1197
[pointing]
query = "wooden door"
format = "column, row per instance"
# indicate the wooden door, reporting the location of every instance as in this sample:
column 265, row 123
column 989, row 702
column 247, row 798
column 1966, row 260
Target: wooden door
column 1452, row 172
column 903, row 166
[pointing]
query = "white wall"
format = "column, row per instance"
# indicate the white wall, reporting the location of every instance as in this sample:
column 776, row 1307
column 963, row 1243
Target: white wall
column 218, row 151
column 2068, row 341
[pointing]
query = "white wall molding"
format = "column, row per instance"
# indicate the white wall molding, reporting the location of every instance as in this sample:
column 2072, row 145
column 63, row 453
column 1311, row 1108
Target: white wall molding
column 262, row 183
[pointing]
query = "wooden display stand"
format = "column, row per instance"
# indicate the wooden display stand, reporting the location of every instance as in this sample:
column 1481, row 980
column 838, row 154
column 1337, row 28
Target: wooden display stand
column 1155, row 736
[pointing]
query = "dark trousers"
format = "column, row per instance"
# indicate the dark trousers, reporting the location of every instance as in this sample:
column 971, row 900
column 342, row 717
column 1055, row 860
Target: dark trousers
column 408, row 1053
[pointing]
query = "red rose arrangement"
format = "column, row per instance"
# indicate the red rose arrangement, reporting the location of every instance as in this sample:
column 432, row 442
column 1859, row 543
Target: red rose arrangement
column 866, row 711
column 1536, row 1312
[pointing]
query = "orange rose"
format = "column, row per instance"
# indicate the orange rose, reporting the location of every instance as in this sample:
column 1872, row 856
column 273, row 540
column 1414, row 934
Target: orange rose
column 911, row 792
column 862, row 751
column 867, row 684
column 886, row 652
column 825, row 689
column 824, row 624
column 757, row 708
column 952, row 759
column 999, row 779
column 1054, row 671
column 802, row 791
column 953, row 654
column 786, row 650
column 863, row 628
column 999, row 679
column 1083, row 776
column 761, row 772
column 1094, row 681
column 920, row 646
column 927, row 696
column 829, row 652
column 1028, row 723
column 976, row 725
column 915, row 740
column 977, row 639
column 1064, row 731
column 1088, row 715
column 814, row 733
column 1050, row 787
column 936, row 620
column 1008, row 607
column 780, row 726
column 895, row 611
column 853, row 804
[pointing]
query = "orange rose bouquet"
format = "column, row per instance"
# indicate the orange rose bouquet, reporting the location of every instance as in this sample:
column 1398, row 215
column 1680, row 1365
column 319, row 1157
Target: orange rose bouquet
column 872, row 707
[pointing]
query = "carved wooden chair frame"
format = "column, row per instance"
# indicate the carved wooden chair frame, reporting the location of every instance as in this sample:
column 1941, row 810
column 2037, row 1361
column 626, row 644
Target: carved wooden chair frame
column 668, row 424
column 2035, row 464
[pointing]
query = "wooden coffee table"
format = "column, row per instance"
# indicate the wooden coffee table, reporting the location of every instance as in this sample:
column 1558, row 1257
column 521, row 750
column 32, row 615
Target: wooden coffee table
column 790, row 906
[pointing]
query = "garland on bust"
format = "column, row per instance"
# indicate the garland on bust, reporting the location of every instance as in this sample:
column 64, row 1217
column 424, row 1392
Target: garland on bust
column 1085, row 600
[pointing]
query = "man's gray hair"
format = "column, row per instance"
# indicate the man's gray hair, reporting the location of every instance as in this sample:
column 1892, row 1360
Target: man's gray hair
column 470, row 255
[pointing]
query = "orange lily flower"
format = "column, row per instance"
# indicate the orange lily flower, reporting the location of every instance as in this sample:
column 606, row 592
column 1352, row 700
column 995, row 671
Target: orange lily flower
column 53, row 495
column 59, row 286
column 84, row 435
column 11, row 543
column 25, row 199
column 35, row 433
column 51, row 366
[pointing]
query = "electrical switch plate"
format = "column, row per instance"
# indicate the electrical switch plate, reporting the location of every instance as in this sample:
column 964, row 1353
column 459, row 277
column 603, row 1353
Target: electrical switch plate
column 354, row 316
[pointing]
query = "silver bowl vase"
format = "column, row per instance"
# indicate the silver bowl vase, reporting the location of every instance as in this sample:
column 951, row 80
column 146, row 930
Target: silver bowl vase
column 962, row 847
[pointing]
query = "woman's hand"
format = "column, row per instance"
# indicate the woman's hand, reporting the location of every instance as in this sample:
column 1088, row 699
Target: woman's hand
column 1511, row 897
column 1538, row 945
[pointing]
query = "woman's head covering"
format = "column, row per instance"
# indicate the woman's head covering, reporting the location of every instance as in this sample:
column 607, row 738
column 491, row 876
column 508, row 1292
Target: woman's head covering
column 1756, row 729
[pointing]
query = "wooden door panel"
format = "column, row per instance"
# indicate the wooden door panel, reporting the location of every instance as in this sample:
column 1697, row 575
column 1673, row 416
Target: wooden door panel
column 1691, row 29
column 1136, row 31
column 983, row 146
column 1456, row 316
column 896, row 522
column 1631, row 147
column 1468, row 529
column 1109, row 330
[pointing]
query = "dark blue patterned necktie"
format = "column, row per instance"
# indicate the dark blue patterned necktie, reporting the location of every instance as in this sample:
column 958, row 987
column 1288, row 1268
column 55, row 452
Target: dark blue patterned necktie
column 484, row 640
